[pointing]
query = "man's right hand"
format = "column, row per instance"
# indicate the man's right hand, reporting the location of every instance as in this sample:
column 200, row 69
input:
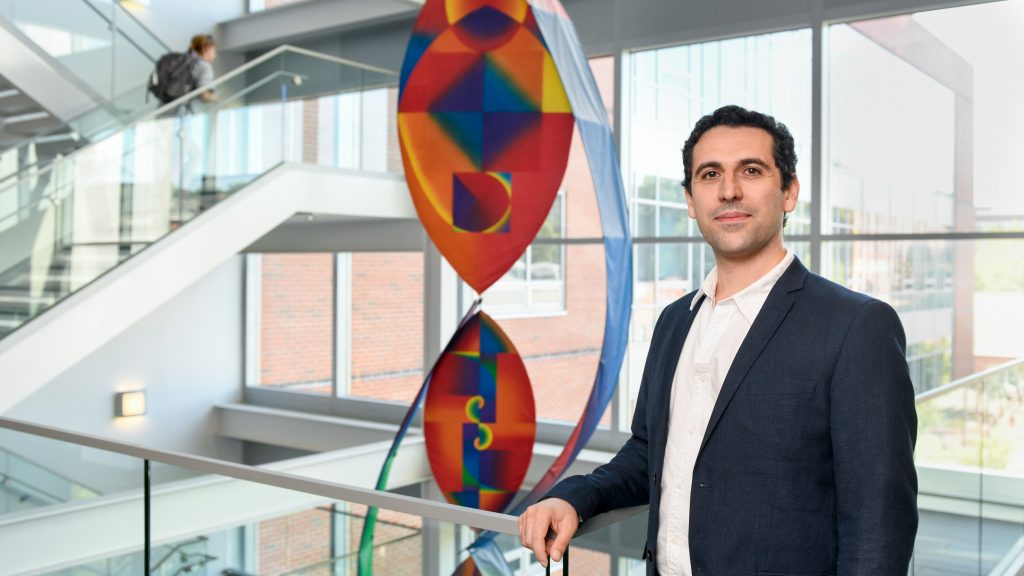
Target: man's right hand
column 554, row 514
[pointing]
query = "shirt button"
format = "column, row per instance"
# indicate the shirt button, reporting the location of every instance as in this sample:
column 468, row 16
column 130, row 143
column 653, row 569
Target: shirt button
column 675, row 539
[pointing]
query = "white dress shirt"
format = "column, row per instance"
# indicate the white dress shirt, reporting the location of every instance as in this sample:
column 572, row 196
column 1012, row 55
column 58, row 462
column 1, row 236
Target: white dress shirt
column 708, row 352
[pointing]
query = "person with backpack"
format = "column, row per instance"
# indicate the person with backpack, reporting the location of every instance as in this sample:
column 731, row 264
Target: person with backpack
column 203, row 51
column 178, row 73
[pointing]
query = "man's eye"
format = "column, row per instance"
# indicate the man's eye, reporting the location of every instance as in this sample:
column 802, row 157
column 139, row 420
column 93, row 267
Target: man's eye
column 752, row 171
column 709, row 174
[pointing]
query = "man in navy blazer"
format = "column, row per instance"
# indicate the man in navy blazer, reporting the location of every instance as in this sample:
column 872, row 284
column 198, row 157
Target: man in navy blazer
column 805, row 466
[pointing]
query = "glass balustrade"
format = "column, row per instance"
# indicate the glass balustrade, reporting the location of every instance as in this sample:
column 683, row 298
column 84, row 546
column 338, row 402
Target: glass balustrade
column 970, row 461
column 276, row 519
column 63, row 226
column 63, row 504
column 305, row 515
column 103, row 48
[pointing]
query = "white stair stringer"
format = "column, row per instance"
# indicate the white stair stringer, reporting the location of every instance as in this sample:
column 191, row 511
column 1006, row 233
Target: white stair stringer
column 36, row 353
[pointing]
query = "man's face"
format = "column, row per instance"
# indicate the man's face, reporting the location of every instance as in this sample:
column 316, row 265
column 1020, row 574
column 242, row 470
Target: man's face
column 736, row 191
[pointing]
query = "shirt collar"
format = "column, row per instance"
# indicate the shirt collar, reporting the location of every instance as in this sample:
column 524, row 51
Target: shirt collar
column 750, row 299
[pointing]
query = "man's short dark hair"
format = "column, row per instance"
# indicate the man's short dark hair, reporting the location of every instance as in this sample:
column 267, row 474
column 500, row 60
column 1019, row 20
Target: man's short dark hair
column 784, row 150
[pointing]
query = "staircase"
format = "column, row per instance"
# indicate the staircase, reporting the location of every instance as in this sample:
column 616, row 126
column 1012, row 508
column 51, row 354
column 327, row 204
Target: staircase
column 73, row 73
column 105, row 235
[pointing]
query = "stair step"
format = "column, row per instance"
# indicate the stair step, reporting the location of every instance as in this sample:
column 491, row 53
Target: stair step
column 10, row 323
column 24, row 304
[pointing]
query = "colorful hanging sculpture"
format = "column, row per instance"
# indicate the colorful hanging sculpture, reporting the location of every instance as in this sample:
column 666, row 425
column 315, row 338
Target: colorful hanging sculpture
column 479, row 418
column 485, row 127
column 490, row 91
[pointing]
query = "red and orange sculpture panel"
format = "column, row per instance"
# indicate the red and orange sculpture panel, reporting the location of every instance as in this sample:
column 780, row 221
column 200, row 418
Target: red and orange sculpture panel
column 485, row 127
column 479, row 418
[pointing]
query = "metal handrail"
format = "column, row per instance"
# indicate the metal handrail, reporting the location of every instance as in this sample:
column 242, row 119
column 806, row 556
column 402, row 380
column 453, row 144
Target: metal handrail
column 110, row 22
column 967, row 381
column 45, row 469
column 441, row 511
column 256, row 62
column 213, row 86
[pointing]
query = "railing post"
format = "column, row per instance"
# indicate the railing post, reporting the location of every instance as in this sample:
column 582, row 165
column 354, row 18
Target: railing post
column 145, row 513
column 565, row 563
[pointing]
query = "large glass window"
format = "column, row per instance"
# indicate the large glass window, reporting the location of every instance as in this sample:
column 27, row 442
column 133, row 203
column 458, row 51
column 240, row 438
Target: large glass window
column 915, row 139
column 919, row 134
column 917, row 143
column 535, row 285
column 671, row 88
column 350, row 323
column 561, row 351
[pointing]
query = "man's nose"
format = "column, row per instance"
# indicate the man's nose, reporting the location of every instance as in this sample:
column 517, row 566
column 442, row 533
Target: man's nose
column 730, row 189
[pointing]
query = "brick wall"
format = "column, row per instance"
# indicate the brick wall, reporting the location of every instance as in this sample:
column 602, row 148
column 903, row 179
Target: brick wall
column 294, row 541
column 310, row 130
column 268, row 4
column 394, row 153
column 296, row 305
column 589, row 562
column 398, row 544
column 387, row 325
column 562, row 351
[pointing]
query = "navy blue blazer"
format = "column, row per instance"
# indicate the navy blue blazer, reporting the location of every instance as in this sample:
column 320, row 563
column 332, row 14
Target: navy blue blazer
column 807, row 464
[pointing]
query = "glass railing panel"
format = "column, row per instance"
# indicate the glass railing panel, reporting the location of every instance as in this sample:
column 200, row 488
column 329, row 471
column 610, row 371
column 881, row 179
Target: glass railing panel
column 104, row 46
column 1002, row 469
column 72, row 221
column 128, row 26
column 64, row 506
column 971, row 472
column 615, row 548
column 87, row 38
column 252, row 528
column 215, row 517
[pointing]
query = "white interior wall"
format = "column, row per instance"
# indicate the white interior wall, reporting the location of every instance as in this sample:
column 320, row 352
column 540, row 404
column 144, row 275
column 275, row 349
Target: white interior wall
column 187, row 355
column 175, row 21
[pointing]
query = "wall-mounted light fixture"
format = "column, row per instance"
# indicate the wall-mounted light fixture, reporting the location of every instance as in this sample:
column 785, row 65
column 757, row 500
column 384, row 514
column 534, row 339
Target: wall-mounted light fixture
column 130, row 403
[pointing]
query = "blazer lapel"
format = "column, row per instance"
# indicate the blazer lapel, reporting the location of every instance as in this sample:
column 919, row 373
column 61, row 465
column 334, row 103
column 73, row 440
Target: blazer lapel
column 761, row 331
column 661, row 395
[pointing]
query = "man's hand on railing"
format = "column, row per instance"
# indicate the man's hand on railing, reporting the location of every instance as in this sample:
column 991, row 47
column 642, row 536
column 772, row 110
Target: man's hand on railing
column 553, row 514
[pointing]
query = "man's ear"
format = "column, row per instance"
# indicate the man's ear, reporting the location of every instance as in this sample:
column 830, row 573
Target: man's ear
column 792, row 193
column 689, row 203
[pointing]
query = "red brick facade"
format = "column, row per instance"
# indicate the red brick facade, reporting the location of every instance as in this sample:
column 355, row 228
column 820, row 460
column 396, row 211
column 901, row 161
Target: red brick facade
column 387, row 325
column 295, row 541
column 296, row 309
